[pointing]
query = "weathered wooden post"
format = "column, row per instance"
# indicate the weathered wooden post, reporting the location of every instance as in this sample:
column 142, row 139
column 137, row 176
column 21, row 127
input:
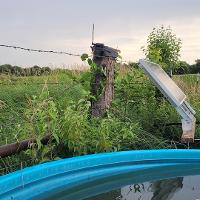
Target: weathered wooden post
column 102, row 83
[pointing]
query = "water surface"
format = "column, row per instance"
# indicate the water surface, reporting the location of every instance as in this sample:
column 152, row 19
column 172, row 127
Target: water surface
column 181, row 188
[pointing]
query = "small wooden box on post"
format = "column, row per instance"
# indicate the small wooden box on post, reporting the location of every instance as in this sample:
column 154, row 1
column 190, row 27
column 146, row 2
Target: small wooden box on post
column 102, row 83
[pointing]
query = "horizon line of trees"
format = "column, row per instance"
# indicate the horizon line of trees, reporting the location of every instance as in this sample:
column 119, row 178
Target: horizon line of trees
column 185, row 68
column 182, row 68
column 20, row 71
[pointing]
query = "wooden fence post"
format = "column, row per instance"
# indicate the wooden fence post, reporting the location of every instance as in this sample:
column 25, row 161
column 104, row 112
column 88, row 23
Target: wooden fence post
column 102, row 83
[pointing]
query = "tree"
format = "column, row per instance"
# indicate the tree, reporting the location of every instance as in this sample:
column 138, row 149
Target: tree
column 17, row 71
column 195, row 68
column 45, row 70
column 163, row 47
column 35, row 70
column 182, row 68
column 197, row 62
column 6, row 69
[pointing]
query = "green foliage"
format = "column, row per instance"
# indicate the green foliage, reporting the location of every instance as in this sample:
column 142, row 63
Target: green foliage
column 182, row 68
column 96, row 71
column 41, row 120
column 195, row 68
column 83, row 136
column 16, row 94
column 185, row 68
column 165, row 114
column 135, row 98
column 41, row 117
column 163, row 47
column 84, row 56
column 134, row 65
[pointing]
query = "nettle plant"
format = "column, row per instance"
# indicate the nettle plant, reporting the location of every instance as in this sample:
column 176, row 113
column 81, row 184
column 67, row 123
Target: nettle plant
column 41, row 118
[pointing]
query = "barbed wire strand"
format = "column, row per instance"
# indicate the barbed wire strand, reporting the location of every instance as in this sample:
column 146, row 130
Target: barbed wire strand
column 54, row 52
column 40, row 50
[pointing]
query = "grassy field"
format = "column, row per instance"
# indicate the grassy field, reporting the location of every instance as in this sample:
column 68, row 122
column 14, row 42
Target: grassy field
column 31, row 107
column 16, row 94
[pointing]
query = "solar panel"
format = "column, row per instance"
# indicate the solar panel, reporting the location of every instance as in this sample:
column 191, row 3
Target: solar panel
column 167, row 86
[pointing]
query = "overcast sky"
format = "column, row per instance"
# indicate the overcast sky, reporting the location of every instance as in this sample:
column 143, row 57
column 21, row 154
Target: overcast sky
column 66, row 25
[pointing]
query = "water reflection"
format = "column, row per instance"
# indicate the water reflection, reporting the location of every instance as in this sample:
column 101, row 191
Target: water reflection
column 181, row 188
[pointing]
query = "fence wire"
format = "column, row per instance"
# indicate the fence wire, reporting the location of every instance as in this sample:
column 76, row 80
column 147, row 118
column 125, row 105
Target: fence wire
column 40, row 50
column 54, row 52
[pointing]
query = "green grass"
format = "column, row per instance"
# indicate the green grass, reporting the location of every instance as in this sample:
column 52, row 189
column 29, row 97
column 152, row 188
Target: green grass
column 16, row 93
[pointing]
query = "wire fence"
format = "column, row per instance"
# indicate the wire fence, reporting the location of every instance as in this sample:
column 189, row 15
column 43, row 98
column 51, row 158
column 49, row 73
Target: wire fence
column 7, row 167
